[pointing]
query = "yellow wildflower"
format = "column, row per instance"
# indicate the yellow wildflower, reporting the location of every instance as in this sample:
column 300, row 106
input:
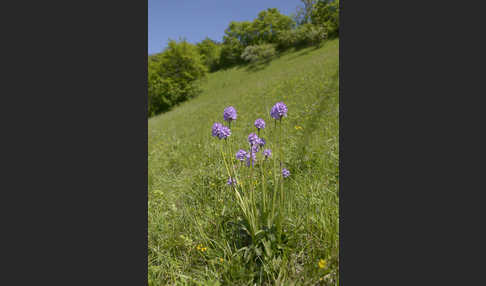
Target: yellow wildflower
column 198, row 247
column 322, row 263
column 221, row 259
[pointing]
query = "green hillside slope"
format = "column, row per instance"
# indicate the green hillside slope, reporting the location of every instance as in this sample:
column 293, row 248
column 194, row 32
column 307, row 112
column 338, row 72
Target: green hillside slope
column 190, row 203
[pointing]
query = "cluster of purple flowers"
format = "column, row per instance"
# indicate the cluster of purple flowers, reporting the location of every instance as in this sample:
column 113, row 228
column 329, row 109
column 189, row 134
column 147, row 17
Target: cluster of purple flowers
column 241, row 155
column 279, row 110
column 285, row 173
column 220, row 131
column 267, row 153
column 255, row 149
column 261, row 142
column 229, row 113
column 253, row 139
column 260, row 124
column 255, row 142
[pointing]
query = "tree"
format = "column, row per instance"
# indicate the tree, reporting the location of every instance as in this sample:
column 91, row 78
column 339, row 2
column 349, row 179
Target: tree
column 240, row 31
column 269, row 24
column 181, row 61
column 303, row 13
column 230, row 52
column 264, row 29
column 173, row 76
column 210, row 52
column 157, row 97
column 326, row 14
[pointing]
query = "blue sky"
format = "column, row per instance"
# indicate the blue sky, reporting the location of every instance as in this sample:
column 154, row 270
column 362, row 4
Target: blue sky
column 196, row 19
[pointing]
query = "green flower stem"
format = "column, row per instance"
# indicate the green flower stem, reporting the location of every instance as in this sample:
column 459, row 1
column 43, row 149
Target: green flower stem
column 252, row 185
column 281, row 156
column 274, row 180
column 224, row 159
column 248, row 213
column 262, row 172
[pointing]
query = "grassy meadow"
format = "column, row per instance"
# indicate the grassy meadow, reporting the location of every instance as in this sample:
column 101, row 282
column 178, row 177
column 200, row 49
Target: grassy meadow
column 193, row 235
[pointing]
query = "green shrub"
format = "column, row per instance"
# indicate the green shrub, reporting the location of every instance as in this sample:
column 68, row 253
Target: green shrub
column 157, row 100
column 286, row 39
column 210, row 52
column 181, row 62
column 304, row 35
column 258, row 53
column 326, row 14
column 308, row 34
column 269, row 24
column 230, row 52
column 173, row 76
column 262, row 30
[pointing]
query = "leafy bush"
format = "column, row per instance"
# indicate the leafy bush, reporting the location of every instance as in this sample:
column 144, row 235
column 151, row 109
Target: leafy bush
column 210, row 52
column 287, row 39
column 258, row 53
column 243, row 32
column 173, row 76
column 304, row 35
column 157, row 100
column 308, row 34
column 230, row 52
column 303, row 13
column 326, row 14
column 269, row 24
column 264, row 29
column 181, row 62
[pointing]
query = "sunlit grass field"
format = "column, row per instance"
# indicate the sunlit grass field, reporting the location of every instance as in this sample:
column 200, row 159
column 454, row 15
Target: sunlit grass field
column 192, row 211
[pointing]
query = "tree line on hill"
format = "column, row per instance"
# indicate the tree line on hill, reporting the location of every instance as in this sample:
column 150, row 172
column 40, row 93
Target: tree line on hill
column 173, row 75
